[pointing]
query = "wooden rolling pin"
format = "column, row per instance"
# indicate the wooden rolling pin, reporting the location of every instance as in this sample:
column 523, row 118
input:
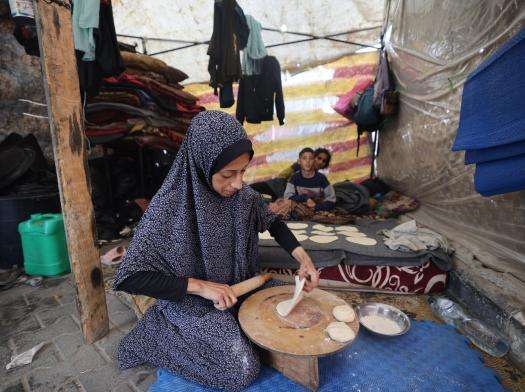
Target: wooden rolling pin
column 248, row 285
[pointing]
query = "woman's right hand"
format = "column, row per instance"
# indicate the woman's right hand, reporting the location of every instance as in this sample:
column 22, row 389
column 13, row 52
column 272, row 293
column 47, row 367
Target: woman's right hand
column 221, row 294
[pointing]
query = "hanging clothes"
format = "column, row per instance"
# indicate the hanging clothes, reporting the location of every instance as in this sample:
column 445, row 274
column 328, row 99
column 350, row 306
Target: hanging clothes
column 85, row 20
column 224, row 50
column 257, row 94
column 255, row 51
column 107, row 60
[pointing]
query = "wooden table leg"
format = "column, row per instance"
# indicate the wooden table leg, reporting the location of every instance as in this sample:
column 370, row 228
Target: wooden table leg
column 301, row 369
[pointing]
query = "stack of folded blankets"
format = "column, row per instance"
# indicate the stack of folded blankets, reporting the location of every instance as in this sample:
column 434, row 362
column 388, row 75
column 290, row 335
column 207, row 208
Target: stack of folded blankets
column 146, row 100
column 492, row 120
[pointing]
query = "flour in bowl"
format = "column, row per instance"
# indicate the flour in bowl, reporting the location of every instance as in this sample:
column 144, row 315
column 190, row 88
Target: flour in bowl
column 381, row 324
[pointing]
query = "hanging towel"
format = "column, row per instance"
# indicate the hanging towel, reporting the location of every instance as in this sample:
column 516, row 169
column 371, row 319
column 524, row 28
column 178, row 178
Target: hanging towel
column 492, row 107
column 255, row 50
column 85, row 20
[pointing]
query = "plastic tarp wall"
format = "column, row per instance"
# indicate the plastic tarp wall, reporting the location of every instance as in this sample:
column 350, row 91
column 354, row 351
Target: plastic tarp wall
column 193, row 21
column 310, row 121
column 433, row 46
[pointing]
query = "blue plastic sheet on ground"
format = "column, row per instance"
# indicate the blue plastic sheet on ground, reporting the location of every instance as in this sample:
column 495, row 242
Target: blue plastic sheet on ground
column 430, row 357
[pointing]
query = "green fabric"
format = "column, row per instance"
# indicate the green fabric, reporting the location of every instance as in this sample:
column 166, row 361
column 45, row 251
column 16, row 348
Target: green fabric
column 255, row 50
column 85, row 19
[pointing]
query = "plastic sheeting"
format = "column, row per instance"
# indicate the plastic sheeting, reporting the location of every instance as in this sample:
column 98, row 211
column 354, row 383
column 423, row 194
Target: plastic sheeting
column 433, row 46
column 193, row 21
column 310, row 121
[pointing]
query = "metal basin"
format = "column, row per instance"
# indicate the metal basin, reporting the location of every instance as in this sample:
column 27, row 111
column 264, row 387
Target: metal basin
column 387, row 311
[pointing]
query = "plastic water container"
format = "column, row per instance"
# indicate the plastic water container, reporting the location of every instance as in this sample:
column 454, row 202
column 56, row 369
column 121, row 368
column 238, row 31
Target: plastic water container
column 44, row 245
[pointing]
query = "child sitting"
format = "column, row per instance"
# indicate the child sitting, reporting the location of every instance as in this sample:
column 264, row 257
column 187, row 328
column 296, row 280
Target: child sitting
column 309, row 186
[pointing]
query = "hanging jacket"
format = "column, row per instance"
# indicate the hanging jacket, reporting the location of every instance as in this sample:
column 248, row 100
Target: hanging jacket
column 257, row 94
column 224, row 64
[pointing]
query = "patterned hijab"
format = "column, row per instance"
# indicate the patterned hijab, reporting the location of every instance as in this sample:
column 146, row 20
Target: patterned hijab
column 189, row 230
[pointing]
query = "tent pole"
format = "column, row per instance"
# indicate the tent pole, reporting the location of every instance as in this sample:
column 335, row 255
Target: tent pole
column 59, row 72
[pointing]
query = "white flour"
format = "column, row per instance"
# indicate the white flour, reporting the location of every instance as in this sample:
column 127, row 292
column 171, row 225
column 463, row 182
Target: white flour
column 381, row 324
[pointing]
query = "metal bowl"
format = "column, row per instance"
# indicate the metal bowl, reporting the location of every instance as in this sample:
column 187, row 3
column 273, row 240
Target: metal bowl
column 387, row 311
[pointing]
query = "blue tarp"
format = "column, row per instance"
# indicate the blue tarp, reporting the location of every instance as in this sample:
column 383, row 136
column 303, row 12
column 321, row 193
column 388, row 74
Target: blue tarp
column 430, row 357
column 492, row 120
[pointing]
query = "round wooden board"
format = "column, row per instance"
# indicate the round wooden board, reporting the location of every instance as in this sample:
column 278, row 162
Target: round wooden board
column 261, row 323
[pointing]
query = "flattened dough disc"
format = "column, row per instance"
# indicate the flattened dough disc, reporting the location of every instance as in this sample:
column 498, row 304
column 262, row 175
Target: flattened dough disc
column 296, row 226
column 340, row 332
column 299, row 232
column 344, row 313
column 352, row 234
column 362, row 241
column 301, row 237
column 323, row 239
column 265, row 235
column 322, row 228
column 317, row 232
column 347, row 228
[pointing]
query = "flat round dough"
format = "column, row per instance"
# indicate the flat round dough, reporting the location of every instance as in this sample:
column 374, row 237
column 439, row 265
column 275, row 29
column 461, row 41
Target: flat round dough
column 340, row 332
column 347, row 228
column 299, row 232
column 317, row 232
column 344, row 313
column 301, row 237
column 352, row 234
column 323, row 239
column 322, row 228
column 265, row 236
column 297, row 226
column 362, row 241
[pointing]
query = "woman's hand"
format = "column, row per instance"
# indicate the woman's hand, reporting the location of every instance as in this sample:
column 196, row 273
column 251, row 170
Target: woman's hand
column 307, row 269
column 221, row 294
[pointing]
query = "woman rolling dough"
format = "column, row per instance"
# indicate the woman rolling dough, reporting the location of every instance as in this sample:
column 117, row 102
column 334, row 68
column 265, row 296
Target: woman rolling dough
column 198, row 237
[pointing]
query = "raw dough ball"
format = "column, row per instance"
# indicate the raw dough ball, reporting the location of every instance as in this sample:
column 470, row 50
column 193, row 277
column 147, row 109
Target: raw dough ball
column 346, row 228
column 344, row 313
column 323, row 239
column 340, row 332
column 322, row 228
column 301, row 237
column 297, row 226
column 317, row 232
column 265, row 236
column 362, row 241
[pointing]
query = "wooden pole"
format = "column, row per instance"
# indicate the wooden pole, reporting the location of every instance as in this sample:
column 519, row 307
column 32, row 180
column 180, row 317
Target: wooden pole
column 59, row 71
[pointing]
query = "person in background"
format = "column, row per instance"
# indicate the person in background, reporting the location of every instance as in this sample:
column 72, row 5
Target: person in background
column 276, row 186
column 309, row 186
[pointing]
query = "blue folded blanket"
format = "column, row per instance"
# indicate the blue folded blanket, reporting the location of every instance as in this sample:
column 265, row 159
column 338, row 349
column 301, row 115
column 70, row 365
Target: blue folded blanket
column 501, row 176
column 494, row 153
column 492, row 108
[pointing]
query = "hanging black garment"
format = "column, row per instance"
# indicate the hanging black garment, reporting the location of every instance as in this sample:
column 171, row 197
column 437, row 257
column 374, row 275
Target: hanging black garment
column 257, row 94
column 108, row 61
column 224, row 65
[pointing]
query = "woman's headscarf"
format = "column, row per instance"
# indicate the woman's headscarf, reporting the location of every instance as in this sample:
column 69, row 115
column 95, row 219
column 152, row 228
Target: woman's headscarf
column 189, row 230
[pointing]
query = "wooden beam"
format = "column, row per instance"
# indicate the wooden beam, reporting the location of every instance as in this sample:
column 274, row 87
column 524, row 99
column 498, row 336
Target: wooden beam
column 59, row 71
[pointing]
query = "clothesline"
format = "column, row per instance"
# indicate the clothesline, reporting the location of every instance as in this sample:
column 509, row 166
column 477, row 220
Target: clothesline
column 308, row 37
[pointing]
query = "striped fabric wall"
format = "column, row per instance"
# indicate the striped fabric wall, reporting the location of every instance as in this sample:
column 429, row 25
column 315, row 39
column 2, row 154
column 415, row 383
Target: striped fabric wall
column 310, row 121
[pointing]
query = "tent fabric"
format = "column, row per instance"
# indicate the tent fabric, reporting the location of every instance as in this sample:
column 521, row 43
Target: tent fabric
column 433, row 48
column 310, row 121
column 192, row 21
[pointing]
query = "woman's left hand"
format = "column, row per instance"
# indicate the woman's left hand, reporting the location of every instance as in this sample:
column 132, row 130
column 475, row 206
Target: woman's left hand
column 307, row 269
